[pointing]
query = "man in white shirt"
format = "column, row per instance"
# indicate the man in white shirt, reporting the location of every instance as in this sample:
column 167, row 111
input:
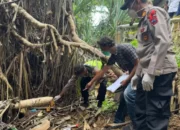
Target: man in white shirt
column 172, row 7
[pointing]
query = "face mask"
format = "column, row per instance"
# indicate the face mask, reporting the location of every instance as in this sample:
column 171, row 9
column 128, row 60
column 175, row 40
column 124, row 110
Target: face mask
column 105, row 52
column 132, row 13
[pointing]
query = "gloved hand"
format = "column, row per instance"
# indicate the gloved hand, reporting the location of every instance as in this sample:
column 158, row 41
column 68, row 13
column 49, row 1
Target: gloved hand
column 147, row 82
column 57, row 98
column 134, row 82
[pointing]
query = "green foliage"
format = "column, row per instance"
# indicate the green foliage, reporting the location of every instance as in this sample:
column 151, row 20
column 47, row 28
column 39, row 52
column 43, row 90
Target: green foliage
column 78, row 87
column 177, row 51
column 109, row 106
column 178, row 59
column 134, row 43
column 115, row 17
column 83, row 10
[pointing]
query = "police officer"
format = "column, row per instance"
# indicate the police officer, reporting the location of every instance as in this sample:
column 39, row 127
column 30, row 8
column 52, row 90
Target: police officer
column 157, row 66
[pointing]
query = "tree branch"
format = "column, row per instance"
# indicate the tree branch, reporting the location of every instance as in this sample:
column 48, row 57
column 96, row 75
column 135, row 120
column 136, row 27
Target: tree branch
column 78, row 42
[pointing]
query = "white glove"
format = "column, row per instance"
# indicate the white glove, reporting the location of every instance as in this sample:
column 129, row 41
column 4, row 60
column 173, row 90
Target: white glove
column 134, row 82
column 147, row 82
column 57, row 98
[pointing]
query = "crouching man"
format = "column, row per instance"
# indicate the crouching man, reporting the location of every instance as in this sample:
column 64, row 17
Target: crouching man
column 86, row 73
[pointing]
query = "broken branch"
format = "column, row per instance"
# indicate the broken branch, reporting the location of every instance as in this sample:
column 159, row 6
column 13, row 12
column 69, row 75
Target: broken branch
column 34, row 102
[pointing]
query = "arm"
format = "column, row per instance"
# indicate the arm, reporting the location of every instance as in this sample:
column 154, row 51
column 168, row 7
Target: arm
column 130, row 53
column 100, row 74
column 139, row 70
column 97, row 76
column 161, row 39
column 136, row 61
column 95, row 71
column 68, row 85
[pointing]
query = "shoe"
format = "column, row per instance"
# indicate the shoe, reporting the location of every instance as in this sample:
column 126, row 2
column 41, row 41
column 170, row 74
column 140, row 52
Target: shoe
column 99, row 104
column 85, row 104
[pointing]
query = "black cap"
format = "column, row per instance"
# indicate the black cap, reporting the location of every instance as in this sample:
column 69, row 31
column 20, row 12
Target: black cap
column 126, row 4
column 78, row 69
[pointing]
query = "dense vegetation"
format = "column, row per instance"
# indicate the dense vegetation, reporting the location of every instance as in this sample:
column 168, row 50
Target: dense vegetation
column 84, row 11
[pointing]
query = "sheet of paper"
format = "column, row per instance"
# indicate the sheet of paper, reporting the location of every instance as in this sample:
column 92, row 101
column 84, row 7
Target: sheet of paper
column 113, row 87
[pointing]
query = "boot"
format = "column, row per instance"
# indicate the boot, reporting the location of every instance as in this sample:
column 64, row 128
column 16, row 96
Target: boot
column 99, row 104
column 85, row 104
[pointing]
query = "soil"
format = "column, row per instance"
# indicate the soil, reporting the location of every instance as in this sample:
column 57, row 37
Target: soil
column 78, row 116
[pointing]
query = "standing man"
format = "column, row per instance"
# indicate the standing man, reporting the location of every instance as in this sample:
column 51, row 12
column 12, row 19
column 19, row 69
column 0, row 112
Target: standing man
column 172, row 7
column 157, row 66
column 125, row 56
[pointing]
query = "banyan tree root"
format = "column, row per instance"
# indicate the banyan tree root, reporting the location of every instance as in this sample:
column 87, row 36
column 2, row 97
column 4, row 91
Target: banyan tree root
column 77, row 41
column 4, row 105
column 26, row 42
column 34, row 102
column 4, row 78
column 57, row 38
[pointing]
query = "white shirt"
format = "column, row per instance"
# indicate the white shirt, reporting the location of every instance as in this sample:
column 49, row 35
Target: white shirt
column 173, row 5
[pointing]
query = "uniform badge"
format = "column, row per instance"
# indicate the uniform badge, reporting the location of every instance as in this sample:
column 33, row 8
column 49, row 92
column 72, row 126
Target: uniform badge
column 144, row 14
column 145, row 36
column 152, row 17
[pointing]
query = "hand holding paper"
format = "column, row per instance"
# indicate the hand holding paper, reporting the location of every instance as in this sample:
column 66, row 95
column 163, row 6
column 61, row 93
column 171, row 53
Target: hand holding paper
column 118, row 83
column 124, row 83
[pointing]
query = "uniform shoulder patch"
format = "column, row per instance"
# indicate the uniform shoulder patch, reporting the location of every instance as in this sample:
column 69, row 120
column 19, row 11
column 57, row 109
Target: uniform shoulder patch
column 152, row 17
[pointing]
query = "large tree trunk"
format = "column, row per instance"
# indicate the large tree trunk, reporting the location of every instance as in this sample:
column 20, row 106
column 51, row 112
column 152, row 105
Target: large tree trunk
column 39, row 48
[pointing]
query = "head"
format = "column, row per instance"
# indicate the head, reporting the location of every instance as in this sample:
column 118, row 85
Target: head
column 106, row 44
column 135, row 7
column 80, row 70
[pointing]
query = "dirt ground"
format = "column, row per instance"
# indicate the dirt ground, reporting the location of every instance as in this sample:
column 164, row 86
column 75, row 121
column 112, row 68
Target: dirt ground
column 63, row 116
column 94, row 118
column 174, row 123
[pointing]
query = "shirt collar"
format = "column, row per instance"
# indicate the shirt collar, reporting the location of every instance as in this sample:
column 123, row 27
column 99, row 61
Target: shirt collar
column 146, row 10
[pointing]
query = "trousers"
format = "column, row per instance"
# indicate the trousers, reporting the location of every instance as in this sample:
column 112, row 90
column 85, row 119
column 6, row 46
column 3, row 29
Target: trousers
column 101, row 91
column 153, row 107
column 126, row 106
